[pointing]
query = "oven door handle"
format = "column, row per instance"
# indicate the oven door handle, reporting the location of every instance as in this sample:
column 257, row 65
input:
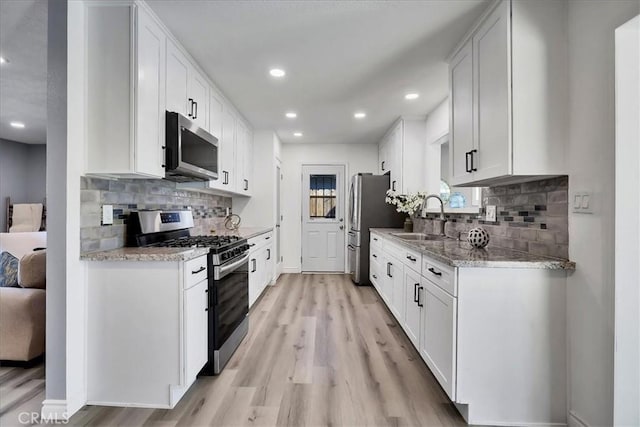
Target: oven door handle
column 225, row 270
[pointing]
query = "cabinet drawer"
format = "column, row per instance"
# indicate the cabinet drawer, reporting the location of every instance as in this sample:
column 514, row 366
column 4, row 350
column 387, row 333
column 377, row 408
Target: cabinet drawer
column 376, row 242
column 375, row 254
column 440, row 274
column 409, row 257
column 260, row 241
column 374, row 273
column 195, row 271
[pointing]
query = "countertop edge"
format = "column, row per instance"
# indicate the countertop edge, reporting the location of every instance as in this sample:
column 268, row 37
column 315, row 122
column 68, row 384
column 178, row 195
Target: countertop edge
column 118, row 255
column 546, row 263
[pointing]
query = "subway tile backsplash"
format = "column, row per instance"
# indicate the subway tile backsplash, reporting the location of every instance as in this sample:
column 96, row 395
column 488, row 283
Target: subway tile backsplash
column 127, row 195
column 530, row 217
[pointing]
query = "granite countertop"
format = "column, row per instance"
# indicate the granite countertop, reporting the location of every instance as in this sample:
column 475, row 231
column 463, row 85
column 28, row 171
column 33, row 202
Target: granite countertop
column 145, row 254
column 244, row 232
column 458, row 253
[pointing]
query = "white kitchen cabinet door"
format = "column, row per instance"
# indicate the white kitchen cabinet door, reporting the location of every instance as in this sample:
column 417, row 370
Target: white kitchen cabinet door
column 395, row 279
column 196, row 326
column 461, row 93
column 413, row 312
column 438, row 334
column 492, row 121
column 255, row 280
column 215, row 117
column 150, row 115
column 383, row 161
column 248, row 162
column 269, row 265
column 385, row 281
column 226, row 174
column 177, row 85
column 242, row 183
column 394, row 154
column 199, row 97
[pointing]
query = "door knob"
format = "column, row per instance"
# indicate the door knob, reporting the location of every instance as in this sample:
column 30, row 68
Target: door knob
column 341, row 219
column 342, row 227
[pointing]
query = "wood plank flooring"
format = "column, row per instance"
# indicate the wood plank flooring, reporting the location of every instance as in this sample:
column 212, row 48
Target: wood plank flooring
column 320, row 352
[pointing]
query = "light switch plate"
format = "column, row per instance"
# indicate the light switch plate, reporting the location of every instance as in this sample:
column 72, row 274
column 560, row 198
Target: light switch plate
column 491, row 213
column 107, row 214
column 582, row 202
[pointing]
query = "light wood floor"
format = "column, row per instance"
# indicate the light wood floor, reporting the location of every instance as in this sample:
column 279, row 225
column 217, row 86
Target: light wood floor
column 320, row 352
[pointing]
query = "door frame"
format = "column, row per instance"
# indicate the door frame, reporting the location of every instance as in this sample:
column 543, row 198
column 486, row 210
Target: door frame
column 344, row 201
column 279, row 217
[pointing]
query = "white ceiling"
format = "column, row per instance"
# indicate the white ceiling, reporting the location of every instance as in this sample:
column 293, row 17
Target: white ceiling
column 340, row 56
column 23, row 81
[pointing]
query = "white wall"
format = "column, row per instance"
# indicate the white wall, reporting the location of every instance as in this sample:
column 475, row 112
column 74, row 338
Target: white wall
column 590, row 288
column 357, row 157
column 626, row 383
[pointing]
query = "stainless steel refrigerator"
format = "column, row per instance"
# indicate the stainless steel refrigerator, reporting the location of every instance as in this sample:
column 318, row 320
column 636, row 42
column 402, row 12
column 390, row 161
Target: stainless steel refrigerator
column 367, row 209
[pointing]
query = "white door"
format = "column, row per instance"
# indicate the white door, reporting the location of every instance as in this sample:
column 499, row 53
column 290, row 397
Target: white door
column 196, row 324
column 323, row 218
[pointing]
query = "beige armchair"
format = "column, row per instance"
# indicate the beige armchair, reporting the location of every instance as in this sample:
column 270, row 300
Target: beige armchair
column 22, row 309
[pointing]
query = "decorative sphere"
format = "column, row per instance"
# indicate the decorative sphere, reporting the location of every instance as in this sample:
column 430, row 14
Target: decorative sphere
column 478, row 237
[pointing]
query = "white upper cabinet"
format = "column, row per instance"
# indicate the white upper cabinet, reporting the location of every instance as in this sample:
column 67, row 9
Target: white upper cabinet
column 177, row 86
column 199, row 99
column 227, row 171
column 401, row 155
column 215, row 115
column 508, row 84
column 124, row 109
column 244, row 159
column 187, row 89
column 461, row 93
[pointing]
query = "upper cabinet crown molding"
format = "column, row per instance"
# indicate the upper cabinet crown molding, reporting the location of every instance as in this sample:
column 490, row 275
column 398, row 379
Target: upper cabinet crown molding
column 508, row 90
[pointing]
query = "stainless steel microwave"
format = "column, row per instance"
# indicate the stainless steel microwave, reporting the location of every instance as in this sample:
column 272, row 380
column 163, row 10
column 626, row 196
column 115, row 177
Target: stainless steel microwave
column 191, row 153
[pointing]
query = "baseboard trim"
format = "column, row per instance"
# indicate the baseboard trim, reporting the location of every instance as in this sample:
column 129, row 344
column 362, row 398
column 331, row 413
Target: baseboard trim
column 54, row 410
column 291, row 270
column 574, row 420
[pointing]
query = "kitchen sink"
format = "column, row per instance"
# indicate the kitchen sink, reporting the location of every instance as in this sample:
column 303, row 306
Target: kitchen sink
column 419, row 236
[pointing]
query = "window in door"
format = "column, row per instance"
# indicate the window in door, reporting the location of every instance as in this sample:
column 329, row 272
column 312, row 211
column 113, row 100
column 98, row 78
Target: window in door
column 322, row 196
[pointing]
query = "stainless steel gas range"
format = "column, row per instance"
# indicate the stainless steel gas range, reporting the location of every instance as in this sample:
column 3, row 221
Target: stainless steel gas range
column 228, row 264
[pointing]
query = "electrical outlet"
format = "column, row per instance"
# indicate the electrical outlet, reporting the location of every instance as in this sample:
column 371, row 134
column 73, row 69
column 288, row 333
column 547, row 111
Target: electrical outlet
column 491, row 213
column 107, row 214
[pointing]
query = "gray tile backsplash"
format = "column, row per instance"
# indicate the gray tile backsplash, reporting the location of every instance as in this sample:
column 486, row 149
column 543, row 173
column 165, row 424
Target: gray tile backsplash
column 531, row 217
column 127, row 195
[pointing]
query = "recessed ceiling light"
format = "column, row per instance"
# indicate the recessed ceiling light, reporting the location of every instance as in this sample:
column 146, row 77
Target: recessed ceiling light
column 412, row 96
column 3, row 60
column 277, row 72
column 291, row 115
column 298, row 134
column 360, row 115
column 18, row 125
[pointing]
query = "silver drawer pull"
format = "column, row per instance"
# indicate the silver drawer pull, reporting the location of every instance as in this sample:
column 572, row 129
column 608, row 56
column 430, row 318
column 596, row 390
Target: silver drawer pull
column 433, row 271
column 199, row 270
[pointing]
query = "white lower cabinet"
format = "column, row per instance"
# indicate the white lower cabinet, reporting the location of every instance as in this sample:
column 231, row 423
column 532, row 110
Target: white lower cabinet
column 147, row 324
column 413, row 310
column 494, row 338
column 438, row 334
column 261, row 265
column 196, row 306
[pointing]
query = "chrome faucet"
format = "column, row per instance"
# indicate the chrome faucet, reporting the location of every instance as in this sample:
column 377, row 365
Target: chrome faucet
column 442, row 219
